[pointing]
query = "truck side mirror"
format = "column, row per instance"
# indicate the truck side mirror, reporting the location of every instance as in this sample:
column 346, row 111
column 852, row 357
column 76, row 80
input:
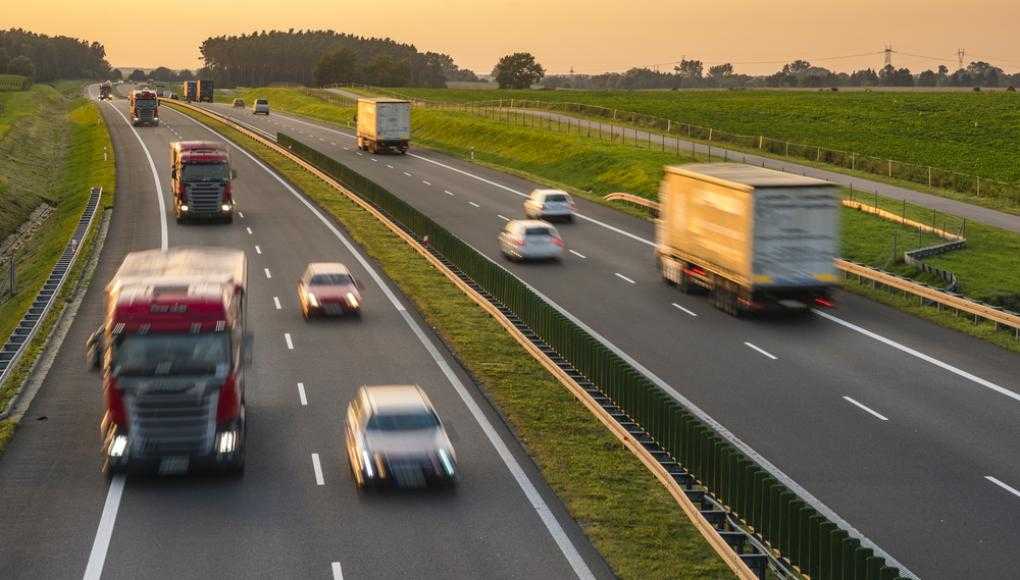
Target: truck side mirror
column 249, row 349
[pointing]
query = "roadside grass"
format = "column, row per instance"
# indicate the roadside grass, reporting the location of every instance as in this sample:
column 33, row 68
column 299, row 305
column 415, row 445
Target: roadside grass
column 80, row 167
column 629, row 517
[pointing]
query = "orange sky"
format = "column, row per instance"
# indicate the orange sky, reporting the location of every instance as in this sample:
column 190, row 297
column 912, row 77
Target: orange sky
column 588, row 35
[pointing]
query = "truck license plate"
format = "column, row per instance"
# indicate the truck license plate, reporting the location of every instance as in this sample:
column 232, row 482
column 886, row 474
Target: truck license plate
column 173, row 464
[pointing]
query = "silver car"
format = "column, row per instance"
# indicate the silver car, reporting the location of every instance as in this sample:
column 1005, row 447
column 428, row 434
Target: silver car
column 530, row 240
column 261, row 107
column 395, row 437
column 549, row 204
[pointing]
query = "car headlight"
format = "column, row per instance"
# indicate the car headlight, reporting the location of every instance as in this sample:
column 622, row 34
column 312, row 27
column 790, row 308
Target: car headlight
column 447, row 460
column 225, row 207
column 184, row 207
column 312, row 299
column 366, row 462
column 351, row 300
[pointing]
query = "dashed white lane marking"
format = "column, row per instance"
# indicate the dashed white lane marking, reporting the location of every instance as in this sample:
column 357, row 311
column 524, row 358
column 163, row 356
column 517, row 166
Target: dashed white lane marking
column 268, row 273
column 374, row 160
column 578, row 254
column 388, row 166
column 762, row 351
column 865, row 408
column 347, row 148
column 333, row 143
column 504, row 218
column 338, row 572
column 258, row 250
column 247, row 229
column 1003, row 485
column 290, row 343
column 474, row 204
column 624, row 278
column 407, row 174
column 678, row 307
column 276, row 303
column 318, row 470
column 448, row 192
column 425, row 182
column 240, row 214
column 301, row 394
column 360, row 154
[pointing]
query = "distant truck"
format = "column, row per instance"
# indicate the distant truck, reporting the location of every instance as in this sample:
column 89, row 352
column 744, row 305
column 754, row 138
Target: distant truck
column 144, row 107
column 189, row 91
column 384, row 124
column 756, row 239
column 205, row 91
column 106, row 91
column 175, row 354
column 200, row 178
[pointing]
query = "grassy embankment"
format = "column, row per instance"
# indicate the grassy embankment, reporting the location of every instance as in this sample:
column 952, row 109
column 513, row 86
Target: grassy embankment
column 986, row 267
column 629, row 517
column 53, row 146
column 971, row 133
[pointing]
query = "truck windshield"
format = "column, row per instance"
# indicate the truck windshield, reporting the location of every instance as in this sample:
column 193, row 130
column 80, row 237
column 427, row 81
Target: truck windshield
column 205, row 172
column 172, row 354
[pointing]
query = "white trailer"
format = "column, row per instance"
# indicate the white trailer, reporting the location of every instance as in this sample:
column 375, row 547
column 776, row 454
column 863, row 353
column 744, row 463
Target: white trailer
column 384, row 124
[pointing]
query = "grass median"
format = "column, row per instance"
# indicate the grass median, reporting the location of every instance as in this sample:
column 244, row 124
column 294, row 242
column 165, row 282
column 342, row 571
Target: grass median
column 630, row 518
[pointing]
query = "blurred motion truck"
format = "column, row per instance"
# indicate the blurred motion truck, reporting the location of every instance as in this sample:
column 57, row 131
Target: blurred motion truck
column 144, row 107
column 174, row 364
column 757, row 239
column 205, row 91
column 384, row 124
column 189, row 90
column 200, row 178
column 105, row 91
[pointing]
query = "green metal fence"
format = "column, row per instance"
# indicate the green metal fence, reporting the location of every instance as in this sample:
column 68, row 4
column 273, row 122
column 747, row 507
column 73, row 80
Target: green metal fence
column 781, row 519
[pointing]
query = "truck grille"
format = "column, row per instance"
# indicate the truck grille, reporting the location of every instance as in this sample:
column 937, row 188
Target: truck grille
column 205, row 198
column 163, row 423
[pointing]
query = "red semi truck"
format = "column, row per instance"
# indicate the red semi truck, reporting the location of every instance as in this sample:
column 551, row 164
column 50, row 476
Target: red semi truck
column 200, row 177
column 173, row 365
column 144, row 108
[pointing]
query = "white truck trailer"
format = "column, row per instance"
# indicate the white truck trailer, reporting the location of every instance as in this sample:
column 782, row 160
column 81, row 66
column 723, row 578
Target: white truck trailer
column 755, row 238
column 384, row 125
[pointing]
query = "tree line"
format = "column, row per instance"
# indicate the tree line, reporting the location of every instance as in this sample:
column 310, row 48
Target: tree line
column 48, row 58
column 323, row 57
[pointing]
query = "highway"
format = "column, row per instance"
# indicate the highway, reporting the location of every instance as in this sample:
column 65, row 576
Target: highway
column 295, row 513
column 906, row 430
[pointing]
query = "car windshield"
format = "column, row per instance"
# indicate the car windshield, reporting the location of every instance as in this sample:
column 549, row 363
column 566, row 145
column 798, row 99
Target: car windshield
column 330, row 280
column 556, row 197
column 261, row 102
column 205, row 172
column 177, row 354
column 538, row 232
column 403, row 421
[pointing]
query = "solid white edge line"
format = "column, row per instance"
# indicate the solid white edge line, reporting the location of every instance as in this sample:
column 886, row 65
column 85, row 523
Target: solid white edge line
column 164, row 236
column 338, row 572
column 675, row 305
column 552, row 525
column 865, row 408
column 578, row 254
column 1003, row 485
column 319, row 480
column 290, row 343
column 269, row 274
column 762, row 351
column 301, row 394
column 624, row 278
column 903, row 348
column 97, row 557
column 276, row 302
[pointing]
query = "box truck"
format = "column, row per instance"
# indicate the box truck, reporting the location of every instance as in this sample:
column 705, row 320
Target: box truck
column 755, row 238
column 384, row 124
column 189, row 91
column 205, row 91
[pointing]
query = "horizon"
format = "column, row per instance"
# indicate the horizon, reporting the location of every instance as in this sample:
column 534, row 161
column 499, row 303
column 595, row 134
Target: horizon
column 476, row 39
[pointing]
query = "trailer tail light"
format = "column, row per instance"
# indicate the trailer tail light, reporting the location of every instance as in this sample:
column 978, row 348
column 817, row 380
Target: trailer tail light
column 824, row 302
column 115, row 403
column 229, row 404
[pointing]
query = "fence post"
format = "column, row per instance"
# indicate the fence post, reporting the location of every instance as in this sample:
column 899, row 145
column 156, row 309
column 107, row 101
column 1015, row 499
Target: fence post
column 710, row 130
column 669, row 124
column 761, row 142
column 929, row 176
column 787, row 154
column 890, row 168
column 853, row 162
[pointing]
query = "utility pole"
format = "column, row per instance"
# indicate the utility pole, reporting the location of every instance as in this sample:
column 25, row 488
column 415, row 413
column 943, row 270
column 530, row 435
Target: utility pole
column 960, row 54
column 888, row 54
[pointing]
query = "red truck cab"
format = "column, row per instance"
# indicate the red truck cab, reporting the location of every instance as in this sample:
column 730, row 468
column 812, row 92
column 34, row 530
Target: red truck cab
column 174, row 363
column 200, row 176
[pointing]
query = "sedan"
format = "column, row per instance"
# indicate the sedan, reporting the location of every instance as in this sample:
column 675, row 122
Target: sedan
column 395, row 437
column 328, row 288
column 530, row 240
column 549, row 204
column 238, row 103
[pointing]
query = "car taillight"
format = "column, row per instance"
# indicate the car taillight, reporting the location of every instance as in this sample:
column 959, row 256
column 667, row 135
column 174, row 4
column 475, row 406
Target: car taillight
column 824, row 302
column 558, row 241
column 227, row 192
column 229, row 404
column 115, row 403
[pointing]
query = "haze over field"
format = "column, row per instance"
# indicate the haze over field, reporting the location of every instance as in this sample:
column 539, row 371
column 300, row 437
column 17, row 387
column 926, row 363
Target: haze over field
column 590, row 36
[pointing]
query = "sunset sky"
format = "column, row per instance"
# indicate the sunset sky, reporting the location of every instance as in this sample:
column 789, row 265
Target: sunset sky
column 588, row 35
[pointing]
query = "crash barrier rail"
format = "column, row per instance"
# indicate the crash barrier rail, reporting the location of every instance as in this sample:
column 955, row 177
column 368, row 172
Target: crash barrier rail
column 23, row 333
column 635, row 199
column 14, row 83
column 928, row 175
column 782, row 520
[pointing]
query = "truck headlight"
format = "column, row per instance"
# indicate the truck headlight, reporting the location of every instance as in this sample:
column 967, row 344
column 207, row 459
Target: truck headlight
column 312, row 299
column 366, row 462
column 119, row 446
column 184, row 207
column 226, row 442
column 351, row 300
column 225, row 207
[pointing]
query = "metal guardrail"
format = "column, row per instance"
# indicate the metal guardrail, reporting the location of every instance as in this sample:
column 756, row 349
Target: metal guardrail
column 23, row 333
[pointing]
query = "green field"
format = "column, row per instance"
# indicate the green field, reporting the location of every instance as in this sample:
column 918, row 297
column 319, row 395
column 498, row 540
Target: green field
column 966, row 132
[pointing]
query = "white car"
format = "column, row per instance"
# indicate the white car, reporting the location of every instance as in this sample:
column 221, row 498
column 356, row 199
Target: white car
column 549, row 204
column 530, row 240
column 261, row 107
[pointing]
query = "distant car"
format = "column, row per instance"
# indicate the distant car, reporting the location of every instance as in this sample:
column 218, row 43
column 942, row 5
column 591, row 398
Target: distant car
column 238, row 103
column 549, row 204
column 530, row 240
column 395, row 437
column 328, row 288
column 261, row 107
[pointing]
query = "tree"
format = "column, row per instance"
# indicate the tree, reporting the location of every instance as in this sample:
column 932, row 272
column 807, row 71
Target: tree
column 137, row 75
column 518, row 71
column 162, row 74
column 21, row 65
column 985, row 74
column 689, row 72
column 864, row 78
column 720, row 70
column 928, row 78
column 4, row 59
column 337, row 67
column 115, row 75
column 890, row 76
column 185, row 75
column 943, row 75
